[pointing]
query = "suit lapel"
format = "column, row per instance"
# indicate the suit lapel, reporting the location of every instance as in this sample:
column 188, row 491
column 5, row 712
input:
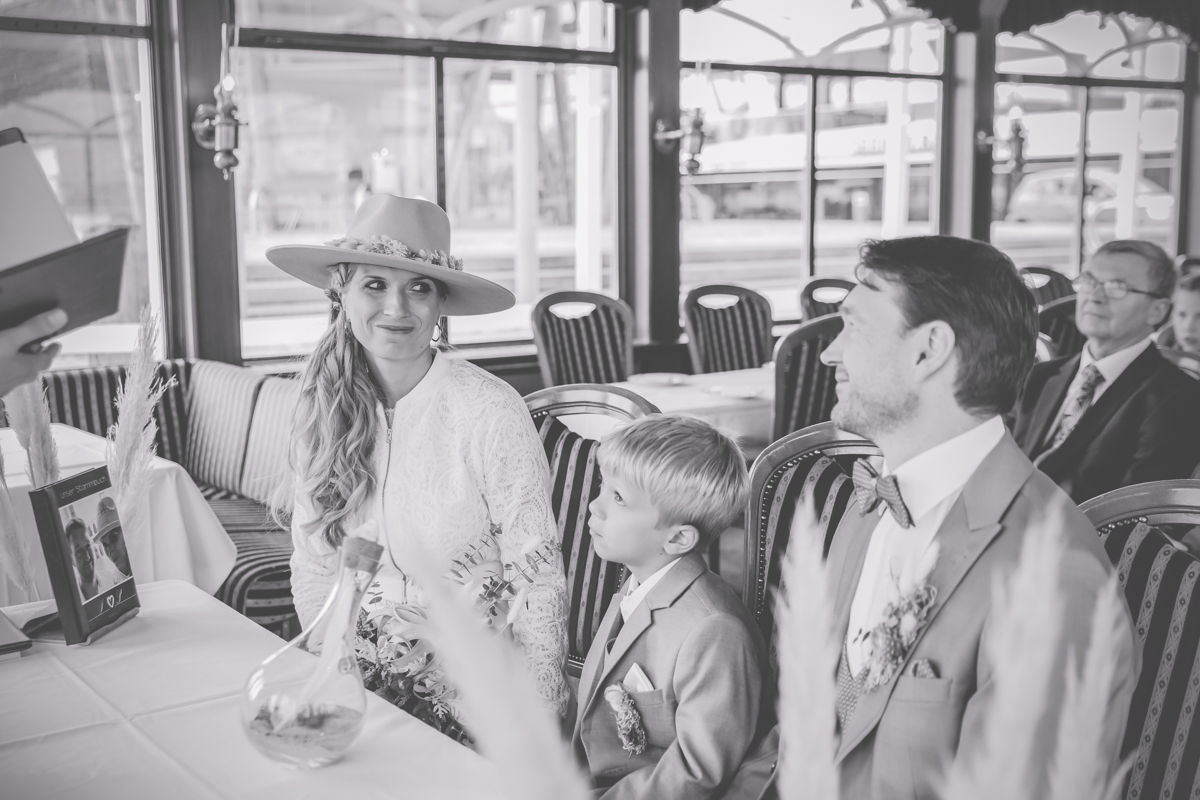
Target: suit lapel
column 1098, row 415
column 1052, row 396
column 968, row 529
column 596, row 657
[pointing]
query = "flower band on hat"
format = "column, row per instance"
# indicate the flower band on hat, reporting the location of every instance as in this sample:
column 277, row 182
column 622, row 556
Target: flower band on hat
column 387, row 246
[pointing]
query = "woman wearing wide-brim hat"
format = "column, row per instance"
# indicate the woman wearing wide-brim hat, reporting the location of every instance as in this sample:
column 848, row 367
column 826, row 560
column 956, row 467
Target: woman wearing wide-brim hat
column 388, row 427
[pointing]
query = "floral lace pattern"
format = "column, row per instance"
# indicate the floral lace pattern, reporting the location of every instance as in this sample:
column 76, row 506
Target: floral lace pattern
column 463, row 457
column 387, row 246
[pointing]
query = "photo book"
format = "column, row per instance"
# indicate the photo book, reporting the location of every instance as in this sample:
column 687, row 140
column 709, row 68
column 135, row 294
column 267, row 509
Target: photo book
column 86, row 557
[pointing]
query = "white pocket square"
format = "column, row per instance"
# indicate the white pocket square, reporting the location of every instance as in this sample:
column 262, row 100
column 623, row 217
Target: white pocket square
column 636, row 680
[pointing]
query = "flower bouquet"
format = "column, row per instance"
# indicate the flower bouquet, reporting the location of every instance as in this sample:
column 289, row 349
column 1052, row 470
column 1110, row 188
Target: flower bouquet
column 393, row 649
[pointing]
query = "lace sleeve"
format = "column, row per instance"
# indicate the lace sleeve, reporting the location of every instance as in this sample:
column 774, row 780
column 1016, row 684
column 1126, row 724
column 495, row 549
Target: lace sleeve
column 313, row 566
column 518, row 498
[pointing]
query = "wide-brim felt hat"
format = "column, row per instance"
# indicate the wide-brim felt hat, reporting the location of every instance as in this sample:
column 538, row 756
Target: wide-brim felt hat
column 401, row 233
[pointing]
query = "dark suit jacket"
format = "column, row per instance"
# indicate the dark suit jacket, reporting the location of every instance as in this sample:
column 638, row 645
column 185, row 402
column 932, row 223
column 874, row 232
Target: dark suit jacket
column 1145, row 427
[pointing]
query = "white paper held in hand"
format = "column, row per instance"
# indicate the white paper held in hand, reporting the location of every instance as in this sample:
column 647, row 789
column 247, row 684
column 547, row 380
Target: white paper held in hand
column 636, row 680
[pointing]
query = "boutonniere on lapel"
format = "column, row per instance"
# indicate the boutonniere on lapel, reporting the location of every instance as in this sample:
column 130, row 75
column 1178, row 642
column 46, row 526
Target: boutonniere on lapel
column 629, row 721
column 889, row 642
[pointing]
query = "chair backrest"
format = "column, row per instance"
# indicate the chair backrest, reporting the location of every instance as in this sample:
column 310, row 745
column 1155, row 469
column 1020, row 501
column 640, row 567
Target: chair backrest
column 1140, row 526
column 1044, row 348
column 591, row 581
column 1164, row 337
column 816, row 462
column 822, row 296
column 1056, row 319
column 596, row 347
column 266, row 474
column 805, row 389
column 1185, row 263
column 220, row 402
column 1047, row 284
column 1188, row 362
column 731, row 336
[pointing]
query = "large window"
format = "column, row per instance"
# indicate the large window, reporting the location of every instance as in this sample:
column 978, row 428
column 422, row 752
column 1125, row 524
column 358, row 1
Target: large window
column 1089, row 129
column 753, row 211
column 84, row 104
column 521, row 152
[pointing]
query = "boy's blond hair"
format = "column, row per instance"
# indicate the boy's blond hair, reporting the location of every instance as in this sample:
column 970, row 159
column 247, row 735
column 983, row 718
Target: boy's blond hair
column 693, row 473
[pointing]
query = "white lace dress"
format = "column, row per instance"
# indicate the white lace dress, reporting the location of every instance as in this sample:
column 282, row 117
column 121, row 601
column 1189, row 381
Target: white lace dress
column 462, row 456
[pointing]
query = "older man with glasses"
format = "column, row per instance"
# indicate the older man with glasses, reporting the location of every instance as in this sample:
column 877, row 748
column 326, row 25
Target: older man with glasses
column 1118, row 413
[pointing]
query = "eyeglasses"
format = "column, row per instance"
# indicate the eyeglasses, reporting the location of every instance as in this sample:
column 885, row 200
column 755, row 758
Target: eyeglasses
column 1115, row 289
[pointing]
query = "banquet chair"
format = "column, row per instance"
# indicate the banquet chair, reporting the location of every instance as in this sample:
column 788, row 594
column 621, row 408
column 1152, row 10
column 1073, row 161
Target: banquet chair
column 1186, row 361
column 805, row 389
column 575, row 482
column 1141, row 527
column 1044, row 349
column 1164, row 337
column 815, row 462
column 595, row 347
column 822, row 296
column 1185, row 263
column 1047, row 284
column 1056, row 319
column 727, row 337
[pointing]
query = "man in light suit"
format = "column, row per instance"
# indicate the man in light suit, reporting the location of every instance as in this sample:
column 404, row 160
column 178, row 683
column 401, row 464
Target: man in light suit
column 937, row 336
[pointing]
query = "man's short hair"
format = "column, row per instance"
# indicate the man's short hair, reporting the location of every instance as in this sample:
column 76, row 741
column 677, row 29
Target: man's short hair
column 1162, row 270
column 976, row 290
column 693, row 473
column 1190, row 282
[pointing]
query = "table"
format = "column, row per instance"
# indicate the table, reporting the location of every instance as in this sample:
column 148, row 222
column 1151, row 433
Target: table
column 712, row 396
column 186, row 539
column 152, row 710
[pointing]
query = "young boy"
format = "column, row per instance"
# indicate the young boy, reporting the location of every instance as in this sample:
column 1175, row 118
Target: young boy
column 676, row 642
column 1185, row 313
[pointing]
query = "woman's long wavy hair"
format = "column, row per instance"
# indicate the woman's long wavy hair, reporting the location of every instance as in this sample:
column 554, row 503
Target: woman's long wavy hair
column 336, row 423
column 334, row 430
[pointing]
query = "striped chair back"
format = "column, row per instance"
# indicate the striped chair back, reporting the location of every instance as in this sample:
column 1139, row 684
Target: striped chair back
column 813, row 463
column 1162, row 586
column 1056, row 319
column 823, row 296
column 1047, row 284
column 591, row 581
column 87, row 399
column 596, row 347
column 266, row 473
column 730, row 336
column 805, row 389
column 220, row 399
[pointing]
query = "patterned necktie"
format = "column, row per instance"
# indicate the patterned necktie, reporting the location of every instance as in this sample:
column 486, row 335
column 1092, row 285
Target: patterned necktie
column 1073, row 410
column 870, row 488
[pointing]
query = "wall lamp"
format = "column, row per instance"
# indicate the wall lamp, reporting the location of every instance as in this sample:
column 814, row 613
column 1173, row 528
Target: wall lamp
column 689, row 136
column 216, row 126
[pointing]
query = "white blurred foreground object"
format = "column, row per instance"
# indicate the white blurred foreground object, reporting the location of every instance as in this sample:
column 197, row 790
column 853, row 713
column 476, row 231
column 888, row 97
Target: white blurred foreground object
column 509, row 721
column 29, row 417
column 131, row 439
column 313, row 718
column 808, row 656
column 14, row 545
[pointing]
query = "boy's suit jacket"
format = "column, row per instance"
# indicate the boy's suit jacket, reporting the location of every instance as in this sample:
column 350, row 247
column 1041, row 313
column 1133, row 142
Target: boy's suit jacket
column 906, row 734
column 1143, row 428
column 698, row 646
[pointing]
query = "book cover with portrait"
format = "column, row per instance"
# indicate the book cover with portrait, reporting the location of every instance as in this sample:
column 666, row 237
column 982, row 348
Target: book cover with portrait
column 86, row 556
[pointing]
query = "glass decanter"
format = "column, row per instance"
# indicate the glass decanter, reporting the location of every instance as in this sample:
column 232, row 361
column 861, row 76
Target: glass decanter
column 305, row 705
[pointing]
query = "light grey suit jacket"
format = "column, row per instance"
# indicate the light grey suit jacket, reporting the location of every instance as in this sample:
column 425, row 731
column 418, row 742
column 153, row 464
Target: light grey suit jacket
column 698, row 646
column 906, row 734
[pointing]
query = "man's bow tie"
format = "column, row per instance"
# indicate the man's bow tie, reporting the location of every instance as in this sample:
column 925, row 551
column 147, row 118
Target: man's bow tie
column 870, row 488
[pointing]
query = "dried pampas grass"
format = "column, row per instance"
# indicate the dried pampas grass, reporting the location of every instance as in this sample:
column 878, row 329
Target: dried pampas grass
column 131, row 440
column 511, row 724
column 29, row 417
column 1027, row 613
column 1081, row 768
column 808, row 656
column 14, row 547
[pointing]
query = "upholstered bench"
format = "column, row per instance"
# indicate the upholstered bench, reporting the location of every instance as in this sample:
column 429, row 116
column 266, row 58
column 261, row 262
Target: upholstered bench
column 228, row 427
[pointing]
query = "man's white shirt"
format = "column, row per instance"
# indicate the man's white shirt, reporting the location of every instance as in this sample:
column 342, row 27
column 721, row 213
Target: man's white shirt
column 637, row 592
column 929, row 484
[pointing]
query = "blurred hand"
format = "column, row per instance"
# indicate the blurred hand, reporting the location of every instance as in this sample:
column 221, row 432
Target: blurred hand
column 16, row 367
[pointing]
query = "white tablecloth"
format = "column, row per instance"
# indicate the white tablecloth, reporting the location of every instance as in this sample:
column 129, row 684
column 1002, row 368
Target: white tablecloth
column 151, row 711
column 186, row 540
column 714, row 397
